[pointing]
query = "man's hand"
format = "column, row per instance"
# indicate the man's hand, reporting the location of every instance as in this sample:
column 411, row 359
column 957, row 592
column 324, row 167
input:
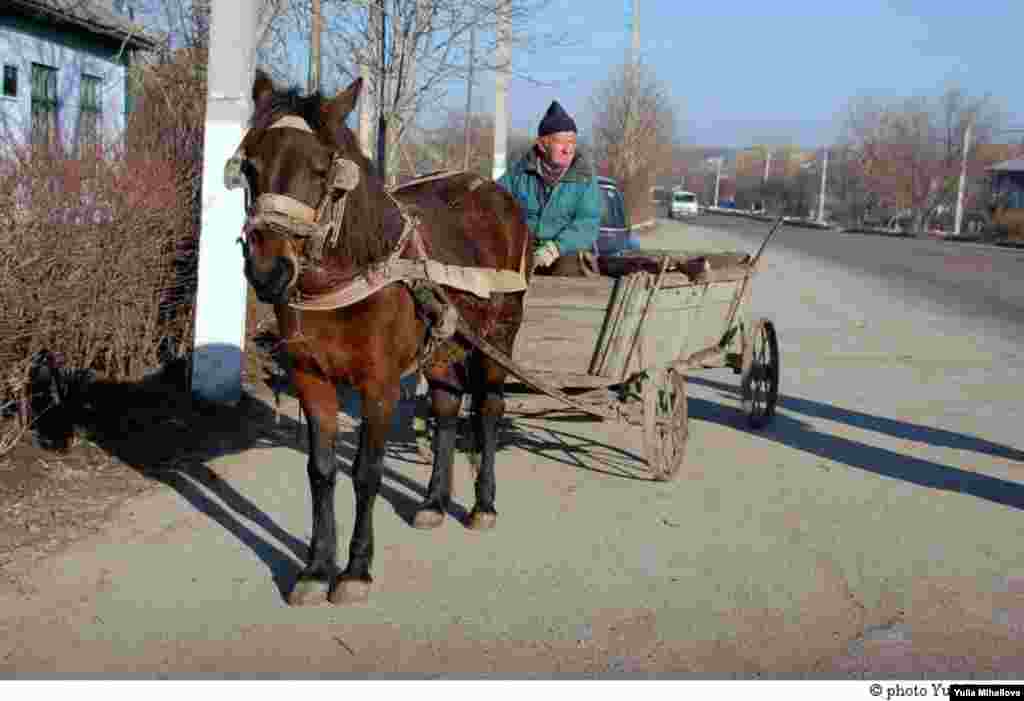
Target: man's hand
column 545, row 254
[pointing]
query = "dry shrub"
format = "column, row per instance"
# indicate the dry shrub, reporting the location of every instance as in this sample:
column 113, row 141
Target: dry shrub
column 97, row 254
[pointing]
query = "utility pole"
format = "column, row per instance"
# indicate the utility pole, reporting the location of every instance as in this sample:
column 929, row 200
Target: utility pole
column 636, row 32
column 365, row 111
column 382, row 122
column 764, row 180
column 718, row 180
column 821, row 197
column 469, row 92
column 316, row 30
column 503, row 60
column 963, row 178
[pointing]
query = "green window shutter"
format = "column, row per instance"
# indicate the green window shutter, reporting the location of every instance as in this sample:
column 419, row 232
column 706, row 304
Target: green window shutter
column 44, row 105
column 89, row 111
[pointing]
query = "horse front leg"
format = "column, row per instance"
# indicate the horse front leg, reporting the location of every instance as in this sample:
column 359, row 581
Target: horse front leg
column 353, row 585
column 319, row 401
column 444, row 405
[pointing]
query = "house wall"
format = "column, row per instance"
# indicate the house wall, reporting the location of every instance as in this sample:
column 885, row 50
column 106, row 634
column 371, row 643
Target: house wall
column 72, row 52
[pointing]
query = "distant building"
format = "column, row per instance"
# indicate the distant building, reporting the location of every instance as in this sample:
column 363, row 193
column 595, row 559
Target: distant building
column 65, row 71
column 1008, row 189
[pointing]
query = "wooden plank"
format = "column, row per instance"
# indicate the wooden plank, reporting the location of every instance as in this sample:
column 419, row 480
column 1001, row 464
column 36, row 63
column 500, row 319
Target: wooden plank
column 564, row 318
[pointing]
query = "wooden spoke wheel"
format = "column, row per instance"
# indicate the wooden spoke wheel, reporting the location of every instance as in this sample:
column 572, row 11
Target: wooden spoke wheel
column 666, row 422
column 759, row 383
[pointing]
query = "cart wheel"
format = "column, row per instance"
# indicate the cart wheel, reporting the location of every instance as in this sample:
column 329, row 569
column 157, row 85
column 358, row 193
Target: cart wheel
column 666, row 426
column 759, row 383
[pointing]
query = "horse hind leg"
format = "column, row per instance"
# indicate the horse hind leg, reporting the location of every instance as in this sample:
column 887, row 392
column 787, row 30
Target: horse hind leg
column 445, row 406
column 488, row 411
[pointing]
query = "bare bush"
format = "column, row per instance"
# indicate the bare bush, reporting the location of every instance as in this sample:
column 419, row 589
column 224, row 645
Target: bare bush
column 98, row 253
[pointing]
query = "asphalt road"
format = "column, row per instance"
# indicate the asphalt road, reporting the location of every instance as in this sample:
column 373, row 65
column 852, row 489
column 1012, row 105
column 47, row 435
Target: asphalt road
column 872, row 531
column 978, row 280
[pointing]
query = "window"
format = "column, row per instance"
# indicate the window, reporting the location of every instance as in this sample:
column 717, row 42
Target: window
column 44, row 105
column 612, row 211
column 89, row 113
column 10, row 80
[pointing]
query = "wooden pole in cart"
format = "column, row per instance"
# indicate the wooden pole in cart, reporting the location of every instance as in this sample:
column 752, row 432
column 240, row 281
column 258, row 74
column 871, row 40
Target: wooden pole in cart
column 609, row 337
column 606, row 326
column 643, row 316
column 735, row 305
column 614, row 349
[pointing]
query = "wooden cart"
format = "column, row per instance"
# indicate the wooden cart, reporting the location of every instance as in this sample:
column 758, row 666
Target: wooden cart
column 651, row 318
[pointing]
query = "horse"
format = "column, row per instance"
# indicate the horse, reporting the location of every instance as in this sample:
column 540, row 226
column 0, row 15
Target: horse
column 320, row 217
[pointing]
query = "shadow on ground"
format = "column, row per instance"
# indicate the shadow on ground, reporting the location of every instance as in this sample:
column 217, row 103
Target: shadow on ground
column 157, row 429
column 800, row 435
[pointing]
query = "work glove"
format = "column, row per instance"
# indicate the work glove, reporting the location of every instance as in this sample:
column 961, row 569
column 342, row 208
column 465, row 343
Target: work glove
column 545, row 254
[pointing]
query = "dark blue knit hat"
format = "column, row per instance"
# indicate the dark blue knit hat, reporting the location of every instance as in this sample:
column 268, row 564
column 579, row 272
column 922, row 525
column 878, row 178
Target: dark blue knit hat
column 555, row 120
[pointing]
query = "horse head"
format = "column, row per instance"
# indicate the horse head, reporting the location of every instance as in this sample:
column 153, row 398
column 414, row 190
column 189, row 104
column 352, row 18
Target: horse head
column 315, row 207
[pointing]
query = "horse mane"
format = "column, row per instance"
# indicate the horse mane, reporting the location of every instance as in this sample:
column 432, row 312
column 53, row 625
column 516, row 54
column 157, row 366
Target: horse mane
column 373, row 223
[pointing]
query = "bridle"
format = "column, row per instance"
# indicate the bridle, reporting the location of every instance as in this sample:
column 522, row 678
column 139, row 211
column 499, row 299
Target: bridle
column 283, row 216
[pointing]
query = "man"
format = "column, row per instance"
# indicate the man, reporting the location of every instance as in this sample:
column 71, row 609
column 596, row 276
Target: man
column 558, row 191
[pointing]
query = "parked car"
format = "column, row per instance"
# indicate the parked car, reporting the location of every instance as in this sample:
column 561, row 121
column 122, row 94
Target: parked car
column 684, row 204
column 615, row 235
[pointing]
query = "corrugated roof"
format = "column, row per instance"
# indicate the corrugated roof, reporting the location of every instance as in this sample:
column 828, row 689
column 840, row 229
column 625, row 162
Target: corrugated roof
column 1017, row 164
column 96, row 16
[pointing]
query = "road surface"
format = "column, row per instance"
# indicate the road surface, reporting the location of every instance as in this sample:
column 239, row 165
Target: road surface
column 874, row 530
column 980, row 280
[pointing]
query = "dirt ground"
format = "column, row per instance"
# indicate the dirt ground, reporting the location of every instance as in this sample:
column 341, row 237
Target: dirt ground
column 130, row 438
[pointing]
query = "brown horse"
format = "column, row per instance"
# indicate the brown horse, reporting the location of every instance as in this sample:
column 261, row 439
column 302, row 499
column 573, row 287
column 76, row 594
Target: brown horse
column 372, row 343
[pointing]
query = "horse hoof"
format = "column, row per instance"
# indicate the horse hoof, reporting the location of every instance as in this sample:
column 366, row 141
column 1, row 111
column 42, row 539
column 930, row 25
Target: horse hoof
column 482, row 520
column 308, row 592
column 350, row 591
column 427, row 518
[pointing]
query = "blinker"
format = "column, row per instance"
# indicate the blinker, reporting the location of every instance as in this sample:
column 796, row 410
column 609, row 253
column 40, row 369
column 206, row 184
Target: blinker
column 233, row 177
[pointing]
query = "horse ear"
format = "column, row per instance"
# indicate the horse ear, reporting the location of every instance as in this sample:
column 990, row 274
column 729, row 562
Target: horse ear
column 262, row 86
column 343, row 103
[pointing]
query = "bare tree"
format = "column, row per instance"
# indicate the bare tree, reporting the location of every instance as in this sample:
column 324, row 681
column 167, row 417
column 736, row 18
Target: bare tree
column 634, row 130
column 909, row 150
column 409, row 51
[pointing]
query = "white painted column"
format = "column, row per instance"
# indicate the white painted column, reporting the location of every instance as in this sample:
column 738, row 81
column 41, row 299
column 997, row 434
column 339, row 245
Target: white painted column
column 221, row 298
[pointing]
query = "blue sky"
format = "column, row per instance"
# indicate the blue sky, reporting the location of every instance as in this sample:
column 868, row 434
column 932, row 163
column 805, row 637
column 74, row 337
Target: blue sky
column 749, row 71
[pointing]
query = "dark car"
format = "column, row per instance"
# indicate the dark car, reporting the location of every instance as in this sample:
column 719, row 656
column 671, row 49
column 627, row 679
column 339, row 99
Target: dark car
column 615, row 235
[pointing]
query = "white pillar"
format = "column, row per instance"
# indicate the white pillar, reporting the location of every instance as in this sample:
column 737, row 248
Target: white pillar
column 221, row 297
column 502, row 59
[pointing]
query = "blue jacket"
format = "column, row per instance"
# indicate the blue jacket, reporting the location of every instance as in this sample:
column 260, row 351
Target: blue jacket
column 571, row 217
